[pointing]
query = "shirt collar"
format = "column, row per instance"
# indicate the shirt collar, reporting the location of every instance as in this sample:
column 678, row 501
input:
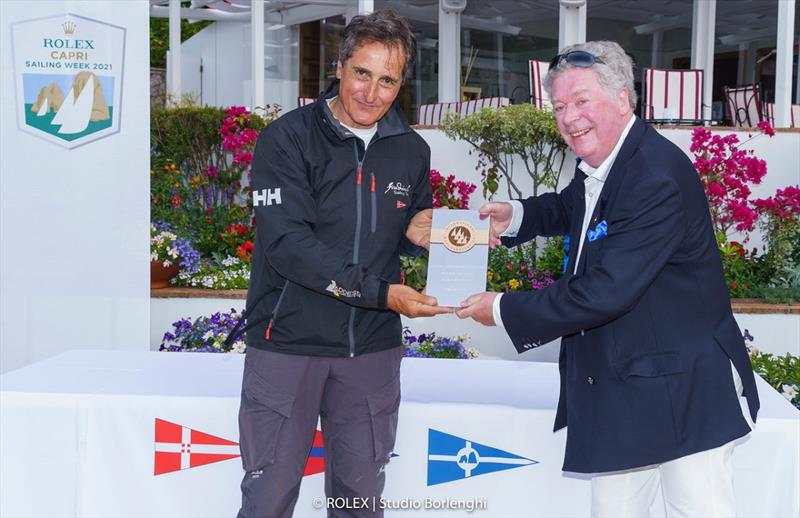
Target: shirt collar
column 360, row 132
column 601, row 172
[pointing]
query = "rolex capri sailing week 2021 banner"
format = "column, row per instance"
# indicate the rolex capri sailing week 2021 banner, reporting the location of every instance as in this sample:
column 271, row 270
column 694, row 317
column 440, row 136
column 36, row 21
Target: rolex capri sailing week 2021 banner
column 459, row 256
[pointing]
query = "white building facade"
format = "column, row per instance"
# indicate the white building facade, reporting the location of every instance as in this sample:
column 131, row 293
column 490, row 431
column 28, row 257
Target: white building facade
column 482, row 48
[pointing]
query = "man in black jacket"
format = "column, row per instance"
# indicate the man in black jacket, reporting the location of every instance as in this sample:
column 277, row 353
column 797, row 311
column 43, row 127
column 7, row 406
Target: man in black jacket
column 340, row 190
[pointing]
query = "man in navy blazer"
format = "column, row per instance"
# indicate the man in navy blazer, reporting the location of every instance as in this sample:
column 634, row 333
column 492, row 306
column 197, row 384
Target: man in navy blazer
column 652, row 361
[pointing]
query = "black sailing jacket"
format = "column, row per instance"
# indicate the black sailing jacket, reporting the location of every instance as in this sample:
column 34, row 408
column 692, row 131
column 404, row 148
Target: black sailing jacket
column 330, row 228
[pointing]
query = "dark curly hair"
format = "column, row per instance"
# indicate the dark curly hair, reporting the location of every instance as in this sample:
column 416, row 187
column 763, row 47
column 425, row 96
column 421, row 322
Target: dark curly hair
column 384, row 26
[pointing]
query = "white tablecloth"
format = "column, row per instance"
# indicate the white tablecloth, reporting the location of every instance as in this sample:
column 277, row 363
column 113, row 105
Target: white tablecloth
column 78, row 438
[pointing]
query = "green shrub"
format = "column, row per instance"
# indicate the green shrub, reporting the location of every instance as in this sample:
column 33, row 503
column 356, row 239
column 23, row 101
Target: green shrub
column 500, row 135
column 196, row 183
column 188, row 136
column 551, row 257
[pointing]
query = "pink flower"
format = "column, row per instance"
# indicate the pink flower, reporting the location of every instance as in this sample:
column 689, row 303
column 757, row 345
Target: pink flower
column 715, row 190
column 726, row 172
column 449, row 192
column 766, row 128
column 784, row 204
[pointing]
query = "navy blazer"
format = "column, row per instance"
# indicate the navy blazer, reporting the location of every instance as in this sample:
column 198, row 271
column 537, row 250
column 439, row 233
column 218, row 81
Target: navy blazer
column 646, row 322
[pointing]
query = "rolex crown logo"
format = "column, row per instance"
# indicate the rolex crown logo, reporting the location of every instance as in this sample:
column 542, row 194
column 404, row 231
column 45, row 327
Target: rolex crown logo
column 69, row 28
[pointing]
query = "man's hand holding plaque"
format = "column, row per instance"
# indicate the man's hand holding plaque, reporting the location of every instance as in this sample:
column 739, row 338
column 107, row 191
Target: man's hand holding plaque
column 406, row 300
column 479, row 305
column 500, row 215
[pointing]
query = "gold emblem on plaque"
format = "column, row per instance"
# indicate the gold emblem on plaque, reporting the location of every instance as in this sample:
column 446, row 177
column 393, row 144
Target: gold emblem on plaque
column 459, row 236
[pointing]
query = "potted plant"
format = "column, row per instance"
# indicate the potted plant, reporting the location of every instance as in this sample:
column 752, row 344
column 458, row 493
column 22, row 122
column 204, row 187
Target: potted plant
column 168, row 253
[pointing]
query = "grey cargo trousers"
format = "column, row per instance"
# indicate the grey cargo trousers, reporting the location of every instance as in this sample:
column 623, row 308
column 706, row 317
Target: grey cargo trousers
column 357, row 400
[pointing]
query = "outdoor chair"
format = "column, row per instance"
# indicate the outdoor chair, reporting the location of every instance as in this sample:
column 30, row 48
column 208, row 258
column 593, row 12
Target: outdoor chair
column 433, row 114
column 744, row 105
column 475, row 105
column 769, row 113
column 536, row 72
column 673, row 96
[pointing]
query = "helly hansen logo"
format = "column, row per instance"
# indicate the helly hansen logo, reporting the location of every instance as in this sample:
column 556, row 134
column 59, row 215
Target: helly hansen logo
column 267, row 197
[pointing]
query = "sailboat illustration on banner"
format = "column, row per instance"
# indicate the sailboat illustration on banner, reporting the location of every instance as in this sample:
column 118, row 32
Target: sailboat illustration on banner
column 69, row 98
column 89, row 105
column 43, row 109
column 50, row 98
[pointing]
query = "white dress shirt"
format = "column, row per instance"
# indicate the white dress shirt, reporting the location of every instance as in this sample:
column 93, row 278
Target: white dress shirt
column 593, row 186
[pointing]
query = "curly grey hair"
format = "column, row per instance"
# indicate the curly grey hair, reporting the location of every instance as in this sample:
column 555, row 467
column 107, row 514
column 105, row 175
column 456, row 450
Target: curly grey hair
column 614, row 74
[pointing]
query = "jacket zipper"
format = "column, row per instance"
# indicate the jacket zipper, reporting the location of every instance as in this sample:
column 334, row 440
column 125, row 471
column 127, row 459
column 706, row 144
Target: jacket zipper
column 351, row 335
column 374, row 205
column 275, row 310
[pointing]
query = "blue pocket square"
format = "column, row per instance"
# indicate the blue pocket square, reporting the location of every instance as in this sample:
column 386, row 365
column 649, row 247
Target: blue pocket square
column 598, row 232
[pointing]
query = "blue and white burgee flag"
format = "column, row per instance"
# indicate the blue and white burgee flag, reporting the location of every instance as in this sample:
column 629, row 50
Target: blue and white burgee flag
column 454, row 458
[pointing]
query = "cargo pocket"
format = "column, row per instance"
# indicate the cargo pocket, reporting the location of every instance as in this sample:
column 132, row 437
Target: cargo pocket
column 263, row 411
column 383, row 410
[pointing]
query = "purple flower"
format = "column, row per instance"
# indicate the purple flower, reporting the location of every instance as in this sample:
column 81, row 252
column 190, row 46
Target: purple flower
column 432, row 346
column 189, row 257
column 411, row 352
column 204, row 334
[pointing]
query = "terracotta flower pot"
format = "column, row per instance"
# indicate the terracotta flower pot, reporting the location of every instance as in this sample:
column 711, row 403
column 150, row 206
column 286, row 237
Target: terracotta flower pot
column 160, row 276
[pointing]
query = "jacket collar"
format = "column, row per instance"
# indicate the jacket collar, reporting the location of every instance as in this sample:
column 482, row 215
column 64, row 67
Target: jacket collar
column 619, row 167
column 612, row 184
column 392, row 123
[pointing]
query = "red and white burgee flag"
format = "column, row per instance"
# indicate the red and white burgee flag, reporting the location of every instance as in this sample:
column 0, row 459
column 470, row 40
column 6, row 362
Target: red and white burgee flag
column 179, row 447
column 400, row 204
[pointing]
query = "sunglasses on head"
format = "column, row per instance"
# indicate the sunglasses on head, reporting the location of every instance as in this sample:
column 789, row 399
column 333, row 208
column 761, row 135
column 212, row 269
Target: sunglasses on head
column 578, row 58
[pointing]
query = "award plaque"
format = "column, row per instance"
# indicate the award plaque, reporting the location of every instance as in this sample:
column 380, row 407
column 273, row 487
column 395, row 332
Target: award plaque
column 459, row 256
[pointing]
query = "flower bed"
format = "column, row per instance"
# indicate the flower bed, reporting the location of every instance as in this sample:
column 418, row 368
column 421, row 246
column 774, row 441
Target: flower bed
column 432, row 346
column 229, row 273
column 204, row 334
column 210, row 335
column 727, row 172
column 203, row 155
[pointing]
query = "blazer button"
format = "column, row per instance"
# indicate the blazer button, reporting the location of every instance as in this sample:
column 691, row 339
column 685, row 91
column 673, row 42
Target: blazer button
column 590, row 380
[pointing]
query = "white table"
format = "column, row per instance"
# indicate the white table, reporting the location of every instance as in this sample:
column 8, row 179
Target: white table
column 77, row 438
